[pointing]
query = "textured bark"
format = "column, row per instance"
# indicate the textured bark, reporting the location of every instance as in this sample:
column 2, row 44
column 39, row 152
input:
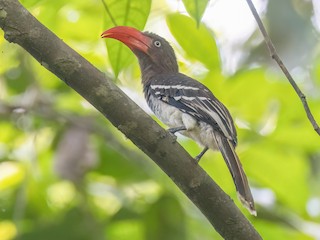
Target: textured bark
column 22, row 28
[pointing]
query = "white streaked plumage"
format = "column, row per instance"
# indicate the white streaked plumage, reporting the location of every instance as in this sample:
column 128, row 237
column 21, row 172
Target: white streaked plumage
column 154, row 87
column 201, row 132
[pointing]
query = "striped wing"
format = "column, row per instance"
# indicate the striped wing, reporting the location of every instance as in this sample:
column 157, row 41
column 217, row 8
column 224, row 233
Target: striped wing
column 193, row 98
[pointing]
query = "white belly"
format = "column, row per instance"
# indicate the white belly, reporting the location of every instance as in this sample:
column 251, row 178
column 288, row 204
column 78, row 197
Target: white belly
column 200, row 132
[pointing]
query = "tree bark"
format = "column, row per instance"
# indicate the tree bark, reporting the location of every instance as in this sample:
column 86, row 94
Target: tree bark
column 22, row 28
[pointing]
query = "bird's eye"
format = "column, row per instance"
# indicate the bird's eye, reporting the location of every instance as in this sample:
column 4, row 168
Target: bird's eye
column 157, row 43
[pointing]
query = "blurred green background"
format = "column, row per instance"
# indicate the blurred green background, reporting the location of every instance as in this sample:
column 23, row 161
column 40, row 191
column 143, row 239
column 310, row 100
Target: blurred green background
column 67, row 173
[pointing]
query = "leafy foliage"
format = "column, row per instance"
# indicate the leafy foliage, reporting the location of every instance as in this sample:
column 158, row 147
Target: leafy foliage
column 206, row 51
column 196, row 8
column 66, row 173
column 132, row 13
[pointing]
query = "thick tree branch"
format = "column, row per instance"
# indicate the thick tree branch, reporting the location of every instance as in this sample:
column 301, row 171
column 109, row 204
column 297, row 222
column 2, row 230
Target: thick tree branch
column 275, row 56
column 22, row 28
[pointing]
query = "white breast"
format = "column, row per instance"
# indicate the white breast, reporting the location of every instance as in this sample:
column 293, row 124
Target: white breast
column 200, row 132
column 169, row 115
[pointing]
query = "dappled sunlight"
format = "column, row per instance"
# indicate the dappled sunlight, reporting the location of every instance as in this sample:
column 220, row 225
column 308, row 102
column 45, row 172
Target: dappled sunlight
column 67, row 173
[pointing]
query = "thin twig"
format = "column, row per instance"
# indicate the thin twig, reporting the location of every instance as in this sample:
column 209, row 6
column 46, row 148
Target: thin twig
column 276, row 57
column 109, row 13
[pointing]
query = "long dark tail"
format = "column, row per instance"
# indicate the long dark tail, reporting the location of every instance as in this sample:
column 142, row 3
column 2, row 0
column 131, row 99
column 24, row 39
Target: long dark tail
column 239, row 177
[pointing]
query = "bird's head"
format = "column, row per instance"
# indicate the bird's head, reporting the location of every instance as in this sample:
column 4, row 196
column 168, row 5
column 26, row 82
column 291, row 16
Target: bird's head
column 154, row 53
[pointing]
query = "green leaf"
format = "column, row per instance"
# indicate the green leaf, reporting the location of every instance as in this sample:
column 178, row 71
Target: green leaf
column 197, row 42
column 125, row 229
column 165, row 220
column 74, row 224
column 132, row 13
column 196, row 8
column 282, row 169
column 117, row 165
column 269, row 230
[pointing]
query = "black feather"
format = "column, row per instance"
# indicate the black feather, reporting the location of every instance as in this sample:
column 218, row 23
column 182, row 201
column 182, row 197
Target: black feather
column 201, row 103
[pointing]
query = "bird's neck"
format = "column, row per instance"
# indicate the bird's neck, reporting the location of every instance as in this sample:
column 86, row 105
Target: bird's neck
column 149, row 72
column 150, row 68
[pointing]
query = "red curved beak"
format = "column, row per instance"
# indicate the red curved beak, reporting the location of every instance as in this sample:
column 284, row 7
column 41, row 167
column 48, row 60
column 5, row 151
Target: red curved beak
column 130, row 36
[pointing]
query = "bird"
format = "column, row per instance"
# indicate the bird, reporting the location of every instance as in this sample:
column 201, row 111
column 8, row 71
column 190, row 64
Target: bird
column 184, row 104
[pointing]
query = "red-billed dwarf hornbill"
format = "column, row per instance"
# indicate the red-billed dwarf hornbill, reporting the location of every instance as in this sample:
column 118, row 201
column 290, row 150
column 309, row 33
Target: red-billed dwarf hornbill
column 184, row 104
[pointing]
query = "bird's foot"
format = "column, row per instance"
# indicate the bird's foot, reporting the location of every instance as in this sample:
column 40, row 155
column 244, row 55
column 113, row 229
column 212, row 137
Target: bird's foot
column 177, row 129
column 174, row 136
column 172, row 131
column 199, row 156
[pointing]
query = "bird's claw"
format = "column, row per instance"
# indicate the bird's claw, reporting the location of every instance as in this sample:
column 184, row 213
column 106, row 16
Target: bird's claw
column 199, row 156
column 173, row 135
